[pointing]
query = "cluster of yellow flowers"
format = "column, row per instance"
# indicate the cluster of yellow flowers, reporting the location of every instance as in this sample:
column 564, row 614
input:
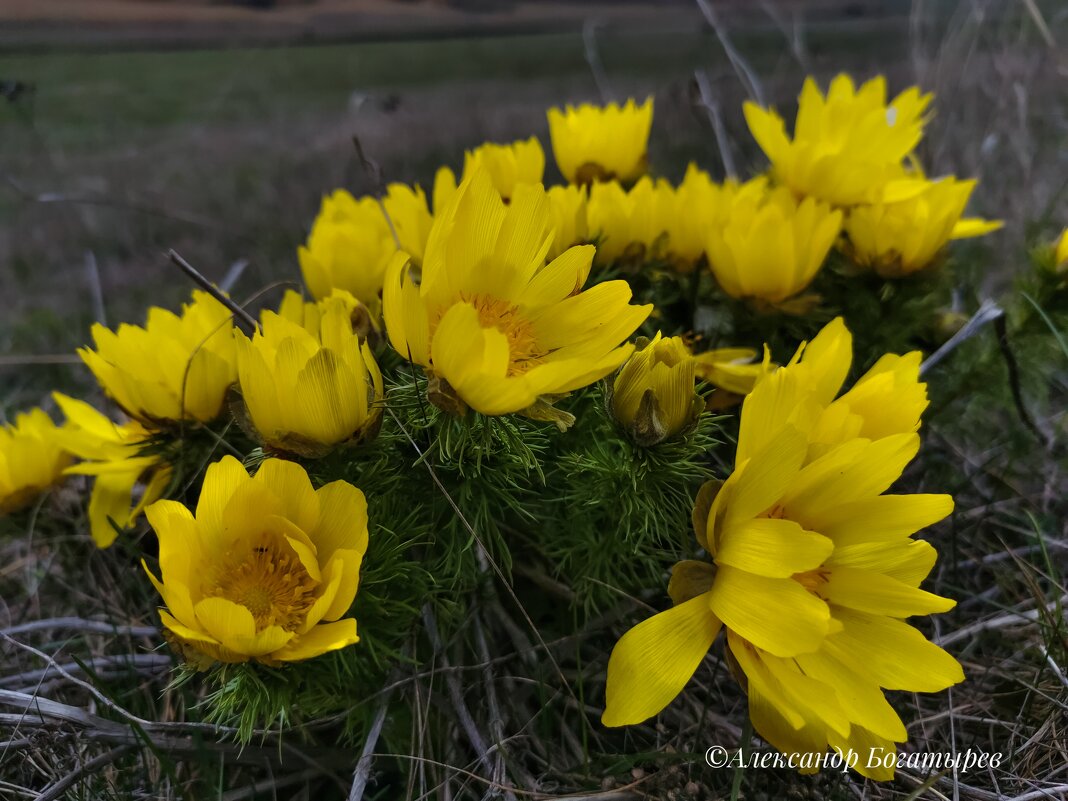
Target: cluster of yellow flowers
column 811, row 567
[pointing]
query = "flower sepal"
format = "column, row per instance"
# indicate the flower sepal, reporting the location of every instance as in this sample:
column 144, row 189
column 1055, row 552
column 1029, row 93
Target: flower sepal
column 544, row 410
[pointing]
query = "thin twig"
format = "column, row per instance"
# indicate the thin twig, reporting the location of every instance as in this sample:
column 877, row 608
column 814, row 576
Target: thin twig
column 57, row 789
column 797, row 45
column 496, row 718
column 79, row 624
column 988, row 312
column 711, row 106
column 233, row 275
column 745, row 73
column 44, row 358
column 593, row 59
column 238, row 312
column 1013, row 367
column 467, row 722
column 374, row 172
column 148, row 663
column 1002, row 621
column 363, row 767
column 148, row 725
column 96, row 291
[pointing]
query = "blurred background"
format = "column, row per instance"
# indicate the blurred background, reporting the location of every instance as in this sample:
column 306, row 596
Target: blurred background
column 128, row 127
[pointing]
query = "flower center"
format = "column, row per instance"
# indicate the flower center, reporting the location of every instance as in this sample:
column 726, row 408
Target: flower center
column 505, row 317
column 813, row 580
column 267, row 579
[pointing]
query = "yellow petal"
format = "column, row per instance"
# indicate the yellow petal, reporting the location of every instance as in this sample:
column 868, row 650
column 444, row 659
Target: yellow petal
column 109, row 506
column 774, row 548
column 872, row 592
column 221, row 480
column 290, row 484
column 884, row 517
column 891, row 653
column 778, row 615
column 854, row 471
column 761, row 482
column 974, row 226
column 347, row 565
column 769, row 723
column 909, row 561
column 324, row 637
column 342, row 520
column 175, row 595
column 861, row 700
column 229, row 623
column 652, row 662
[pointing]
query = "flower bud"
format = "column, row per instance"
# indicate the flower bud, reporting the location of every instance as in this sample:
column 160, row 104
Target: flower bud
column 653, row 395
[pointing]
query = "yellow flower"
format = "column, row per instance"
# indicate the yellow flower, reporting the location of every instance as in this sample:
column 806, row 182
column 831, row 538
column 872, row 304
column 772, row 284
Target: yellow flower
column 653, row 395
column 567, row 204
column 307, row 381
column 695, row 206
column 770, row 246
column 175, row 368
column 601, row 143
column 352, row 241
column 1060, row 254
column 114, row 458
column 266, row 568
column 732, row 369
column 31, row 460
column 814, row 569
column 521, row 162
column 847, row 145
column 628, row 225
column 444, row 187
column 904, row 237
column 568, row 207
column 491, row 319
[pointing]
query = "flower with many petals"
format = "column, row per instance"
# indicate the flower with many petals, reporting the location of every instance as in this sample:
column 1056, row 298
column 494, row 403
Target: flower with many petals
column 177, row 367
column 601, row 143
column 31, row 459
column 114, row 456
column 846, row 146
column 508, row 166
column 265, row 570
column 694, row 207
column 629, row 225
column 902, row 237
column 307, row 381
column 814, row 569
column 352, row 241
column 769, row 246
column 494, row 326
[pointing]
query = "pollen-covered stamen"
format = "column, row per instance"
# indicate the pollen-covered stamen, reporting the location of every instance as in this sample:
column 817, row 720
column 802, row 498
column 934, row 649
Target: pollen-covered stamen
column 268, row 579
column 523, row 349
column 813, row 580
column 776, row 512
